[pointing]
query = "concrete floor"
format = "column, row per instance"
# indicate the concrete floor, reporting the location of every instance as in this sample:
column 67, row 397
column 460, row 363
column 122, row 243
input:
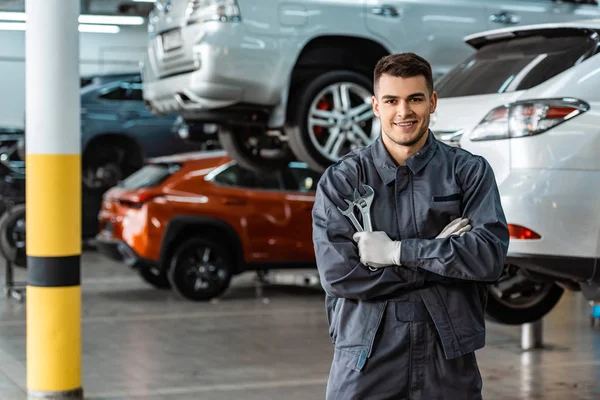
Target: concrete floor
column 143, row 343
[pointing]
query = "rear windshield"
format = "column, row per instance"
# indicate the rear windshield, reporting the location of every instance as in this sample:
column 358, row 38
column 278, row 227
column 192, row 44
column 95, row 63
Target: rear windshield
column 515, row 64
column 149, row 176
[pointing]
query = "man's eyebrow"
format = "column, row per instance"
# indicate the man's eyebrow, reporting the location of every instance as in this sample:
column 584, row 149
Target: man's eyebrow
column 410, row 96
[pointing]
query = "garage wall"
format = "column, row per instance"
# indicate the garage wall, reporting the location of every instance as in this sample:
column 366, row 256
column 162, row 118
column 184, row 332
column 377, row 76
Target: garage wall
column 99, row 53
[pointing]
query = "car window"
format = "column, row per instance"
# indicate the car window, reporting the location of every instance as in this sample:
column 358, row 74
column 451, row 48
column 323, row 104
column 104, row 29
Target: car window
column 238, row 176
column 124, row 92
column 304, row 179
column 515, row 64
column 148, row 176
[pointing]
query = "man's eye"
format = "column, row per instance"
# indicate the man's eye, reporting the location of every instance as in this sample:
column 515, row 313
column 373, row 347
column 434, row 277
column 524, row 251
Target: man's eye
column 390, row 101
column 417, row 100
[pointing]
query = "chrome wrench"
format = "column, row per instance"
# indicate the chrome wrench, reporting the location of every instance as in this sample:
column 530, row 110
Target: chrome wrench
column 364, row 204
column 349, row 212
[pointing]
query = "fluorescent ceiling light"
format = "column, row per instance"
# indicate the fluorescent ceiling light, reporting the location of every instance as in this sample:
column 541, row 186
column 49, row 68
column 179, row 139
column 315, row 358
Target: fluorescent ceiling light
column 13, row 26
column 84, row 19
column 12, row 16
column 111, row 19
column 99, row 28
column 22, row 26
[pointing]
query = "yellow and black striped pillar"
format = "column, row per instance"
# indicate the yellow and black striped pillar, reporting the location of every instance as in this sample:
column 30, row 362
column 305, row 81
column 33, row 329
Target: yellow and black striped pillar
column 53, row 200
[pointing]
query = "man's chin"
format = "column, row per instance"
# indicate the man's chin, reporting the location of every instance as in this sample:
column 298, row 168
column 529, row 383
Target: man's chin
column 406, row 139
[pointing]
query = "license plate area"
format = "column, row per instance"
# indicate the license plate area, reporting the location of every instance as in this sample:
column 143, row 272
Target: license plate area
column 171, row 40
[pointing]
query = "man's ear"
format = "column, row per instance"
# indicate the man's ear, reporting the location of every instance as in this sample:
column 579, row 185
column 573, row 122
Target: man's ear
column 433, row 102
column 375, row 105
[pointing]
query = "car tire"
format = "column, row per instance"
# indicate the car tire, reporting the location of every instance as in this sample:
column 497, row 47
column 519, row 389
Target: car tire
column 13, row 235
column 502, row 311
column 155, row 277
column 316, row 145
column 253, row 149
column 212, row 267
column 105, row 163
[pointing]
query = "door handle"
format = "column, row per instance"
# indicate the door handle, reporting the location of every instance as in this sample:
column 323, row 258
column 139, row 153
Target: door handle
column 385, row 11
column 505, row 18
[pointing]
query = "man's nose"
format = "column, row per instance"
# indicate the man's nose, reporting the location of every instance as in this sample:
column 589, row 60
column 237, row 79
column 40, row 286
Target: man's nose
column 403, row 110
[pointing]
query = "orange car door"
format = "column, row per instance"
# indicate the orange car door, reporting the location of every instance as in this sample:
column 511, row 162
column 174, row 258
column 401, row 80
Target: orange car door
column 301, row 186
column 255, row 201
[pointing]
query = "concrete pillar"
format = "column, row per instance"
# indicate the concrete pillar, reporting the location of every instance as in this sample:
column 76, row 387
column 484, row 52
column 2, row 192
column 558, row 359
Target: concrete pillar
column 53, row 194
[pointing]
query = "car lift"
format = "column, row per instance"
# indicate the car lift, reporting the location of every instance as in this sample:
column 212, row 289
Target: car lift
column 531, row 335
column 284, row 277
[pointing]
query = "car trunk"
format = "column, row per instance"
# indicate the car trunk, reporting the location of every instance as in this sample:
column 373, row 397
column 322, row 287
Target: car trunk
column 501, row 70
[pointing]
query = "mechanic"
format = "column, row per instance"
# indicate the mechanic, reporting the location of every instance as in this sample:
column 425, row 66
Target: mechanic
column 406, row 301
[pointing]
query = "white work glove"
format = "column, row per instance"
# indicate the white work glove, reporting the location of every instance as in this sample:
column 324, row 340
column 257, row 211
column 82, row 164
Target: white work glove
column 459, row 227
column 377, row 250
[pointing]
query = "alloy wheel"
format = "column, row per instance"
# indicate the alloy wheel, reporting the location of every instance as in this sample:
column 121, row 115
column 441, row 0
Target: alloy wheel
column 17, row 234
column 204, row 270
column 341, row 119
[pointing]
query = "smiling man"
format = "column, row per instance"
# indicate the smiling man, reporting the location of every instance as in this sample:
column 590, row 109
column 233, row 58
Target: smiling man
column 406, row 302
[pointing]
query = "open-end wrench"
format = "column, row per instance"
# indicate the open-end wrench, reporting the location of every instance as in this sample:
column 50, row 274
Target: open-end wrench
column 349, row 212
column 364, row 204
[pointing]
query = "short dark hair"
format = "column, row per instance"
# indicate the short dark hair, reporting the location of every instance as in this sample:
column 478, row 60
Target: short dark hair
column 403, row 65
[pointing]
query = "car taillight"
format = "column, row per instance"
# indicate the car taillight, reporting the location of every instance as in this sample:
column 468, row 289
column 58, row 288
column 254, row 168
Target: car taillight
column 212, row 10
column 139, row 200
column 527, row 118
column 493, row 126
column 520, row 232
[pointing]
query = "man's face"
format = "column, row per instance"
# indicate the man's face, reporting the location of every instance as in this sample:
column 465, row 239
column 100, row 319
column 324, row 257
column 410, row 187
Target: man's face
column 404, row 106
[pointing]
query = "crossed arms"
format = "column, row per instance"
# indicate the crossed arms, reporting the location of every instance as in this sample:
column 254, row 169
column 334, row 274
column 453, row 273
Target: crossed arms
column 473, row 255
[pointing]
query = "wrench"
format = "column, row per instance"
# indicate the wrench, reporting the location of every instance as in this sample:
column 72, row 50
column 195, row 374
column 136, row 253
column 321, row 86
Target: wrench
column 349, row 212
column 364, row 204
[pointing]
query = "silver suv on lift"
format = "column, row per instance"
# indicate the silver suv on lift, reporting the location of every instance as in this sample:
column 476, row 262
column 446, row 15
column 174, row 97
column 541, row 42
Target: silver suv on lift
column 292, row 79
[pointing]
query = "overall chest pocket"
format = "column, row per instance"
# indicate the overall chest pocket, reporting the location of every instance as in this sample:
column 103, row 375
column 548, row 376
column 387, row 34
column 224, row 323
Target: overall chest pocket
column 443, row 208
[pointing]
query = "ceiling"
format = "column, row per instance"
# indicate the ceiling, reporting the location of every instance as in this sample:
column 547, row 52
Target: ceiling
column 102, row 7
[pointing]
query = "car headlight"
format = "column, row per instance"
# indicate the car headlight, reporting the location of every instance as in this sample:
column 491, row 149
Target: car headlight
column 527, row 118
column 212, row 10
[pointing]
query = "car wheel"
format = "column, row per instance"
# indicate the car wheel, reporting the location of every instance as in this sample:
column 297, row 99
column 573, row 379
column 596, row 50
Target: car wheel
column 332, row 116
column 253, row 149
column 516, row 300
column 200, row 269
column 105, row 164
column 155, row 277
column 13, row 235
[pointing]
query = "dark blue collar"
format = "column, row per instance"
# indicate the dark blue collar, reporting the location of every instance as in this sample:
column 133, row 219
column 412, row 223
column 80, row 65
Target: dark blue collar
column 386, row 165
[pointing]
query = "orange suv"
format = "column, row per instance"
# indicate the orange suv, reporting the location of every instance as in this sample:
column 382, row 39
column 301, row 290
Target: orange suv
column 192, row 221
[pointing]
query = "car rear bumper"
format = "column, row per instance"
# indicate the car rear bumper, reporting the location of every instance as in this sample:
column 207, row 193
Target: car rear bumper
column 559, row 205
column 573, row 268
column 186, row 92
column 218, row 65
column 118, row 250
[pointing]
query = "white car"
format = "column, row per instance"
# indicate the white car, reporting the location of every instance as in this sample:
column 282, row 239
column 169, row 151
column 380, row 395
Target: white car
column 528, row 101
